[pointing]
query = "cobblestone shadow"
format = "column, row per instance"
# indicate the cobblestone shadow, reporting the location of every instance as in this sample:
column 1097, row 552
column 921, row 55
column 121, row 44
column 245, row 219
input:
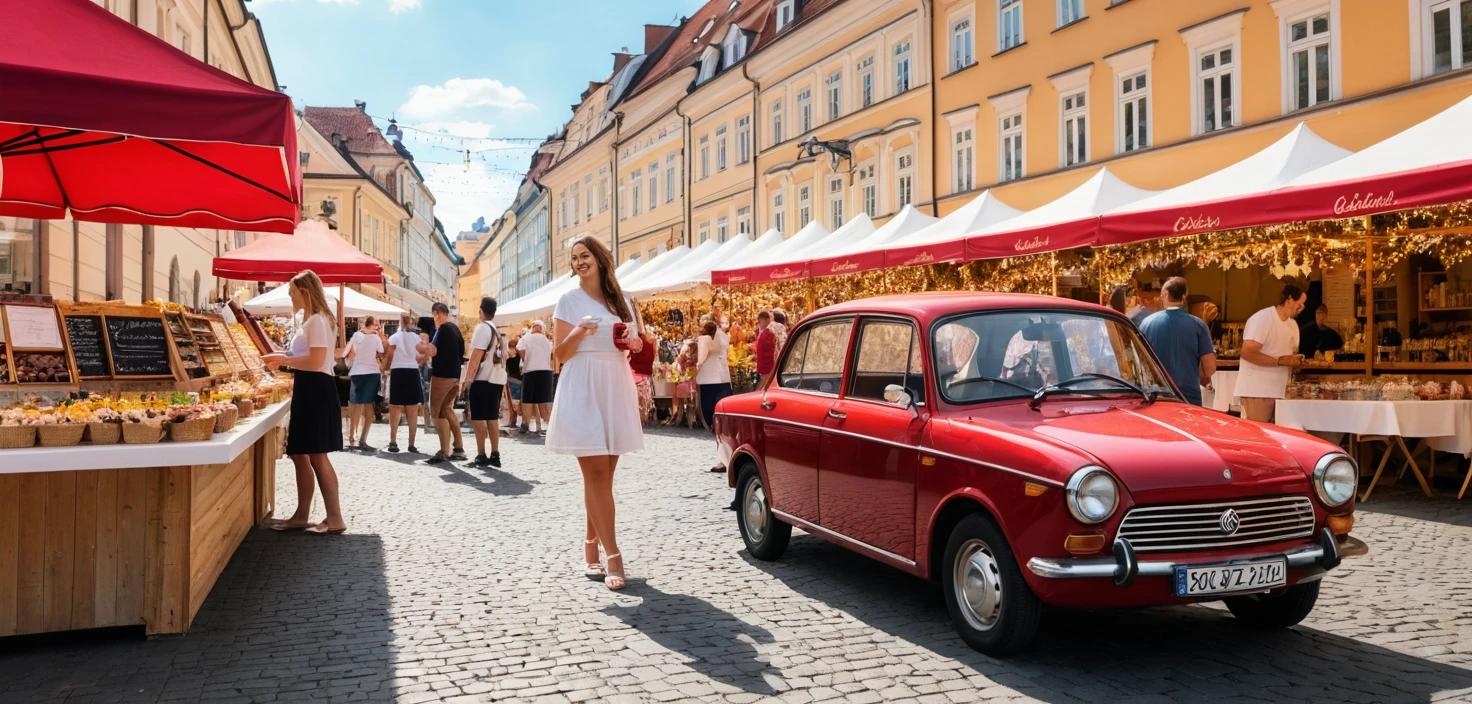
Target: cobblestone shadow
column 1407, row 501
column 1197, row 653
column 293, row 617
column 718, row 645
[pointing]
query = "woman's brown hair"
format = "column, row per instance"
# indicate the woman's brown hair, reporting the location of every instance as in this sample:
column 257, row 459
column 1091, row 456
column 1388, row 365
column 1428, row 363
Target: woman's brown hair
column 709, row 329
column 314, row 298
column 613, row 294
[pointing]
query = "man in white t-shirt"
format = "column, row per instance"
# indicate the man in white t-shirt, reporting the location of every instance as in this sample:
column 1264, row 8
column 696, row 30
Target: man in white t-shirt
column 364, row 376
column 1269, row 355
column 536, row 377
column 405, row 389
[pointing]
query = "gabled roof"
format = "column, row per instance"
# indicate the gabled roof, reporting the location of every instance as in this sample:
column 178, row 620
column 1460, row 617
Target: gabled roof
column 690, row 41
column 806, row 10
column 354, row 125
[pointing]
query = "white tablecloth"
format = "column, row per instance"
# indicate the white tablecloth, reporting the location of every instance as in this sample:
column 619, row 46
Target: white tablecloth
column 1446, row 425
column 1223, row 388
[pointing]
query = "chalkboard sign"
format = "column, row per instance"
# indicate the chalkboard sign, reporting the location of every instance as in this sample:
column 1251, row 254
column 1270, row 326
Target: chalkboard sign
column 85, row 333
column 140, row 346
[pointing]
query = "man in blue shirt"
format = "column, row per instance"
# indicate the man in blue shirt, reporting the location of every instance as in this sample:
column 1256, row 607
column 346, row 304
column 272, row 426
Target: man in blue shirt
column 1181, row 341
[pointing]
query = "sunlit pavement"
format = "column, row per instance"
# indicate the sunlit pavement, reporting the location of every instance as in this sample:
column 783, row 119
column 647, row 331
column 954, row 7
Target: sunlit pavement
column 461, row 584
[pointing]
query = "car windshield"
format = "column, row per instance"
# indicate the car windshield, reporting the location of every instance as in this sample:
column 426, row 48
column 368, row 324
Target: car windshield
column 997, row 355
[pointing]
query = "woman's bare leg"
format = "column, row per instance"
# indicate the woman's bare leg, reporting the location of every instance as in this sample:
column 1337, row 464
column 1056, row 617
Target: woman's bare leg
column 412, row 411
column 327, row 477
column 393, row 424
column 304, row 490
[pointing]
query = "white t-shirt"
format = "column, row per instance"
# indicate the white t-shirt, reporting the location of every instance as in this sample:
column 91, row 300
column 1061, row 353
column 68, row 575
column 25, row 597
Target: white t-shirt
column 406, row 352
column 576, row 304
column 366, row 348
column 1278, row 337
column 486, row 339
column 716, row 369
column 316, row 332
column 536, row 352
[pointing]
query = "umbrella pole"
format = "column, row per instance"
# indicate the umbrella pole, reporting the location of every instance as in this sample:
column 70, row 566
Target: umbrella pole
column 342, row 340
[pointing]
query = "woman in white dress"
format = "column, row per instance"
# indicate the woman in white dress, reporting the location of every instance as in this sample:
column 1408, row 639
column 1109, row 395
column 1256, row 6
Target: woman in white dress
column 595, row 413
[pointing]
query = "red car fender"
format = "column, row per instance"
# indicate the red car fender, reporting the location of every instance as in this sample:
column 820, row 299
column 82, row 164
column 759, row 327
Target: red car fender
column 744, row 451
column 922, row 542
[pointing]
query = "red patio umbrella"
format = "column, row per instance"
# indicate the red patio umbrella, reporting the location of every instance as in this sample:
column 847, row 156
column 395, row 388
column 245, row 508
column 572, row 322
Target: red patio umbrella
column 105, row 122
column 314, row 246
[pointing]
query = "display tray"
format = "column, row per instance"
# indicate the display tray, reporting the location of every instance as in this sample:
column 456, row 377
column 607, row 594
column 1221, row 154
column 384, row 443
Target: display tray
column 223, row 448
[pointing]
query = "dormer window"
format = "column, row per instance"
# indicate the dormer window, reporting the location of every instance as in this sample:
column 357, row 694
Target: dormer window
column 709, row 62
column 786, row 12
column 735, row 46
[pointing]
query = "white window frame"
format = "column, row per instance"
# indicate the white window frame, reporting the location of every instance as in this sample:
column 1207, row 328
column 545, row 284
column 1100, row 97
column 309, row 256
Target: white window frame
column 776, row 111
column 1423, row 37
column 834, row 199
column 1222, row 33
column 804, row 111
column 588, row 198
column 704, row 232
column 868, row 189
column 1010, row 105
column 963, row 158
column 743, row 139
column 962, row 39
column 654, row 185
column 704, row 157
column 1130, row 64
column 733, row 49
column 1004, row 8
column 865, row 69
column 904, row 178
column 1291, row 12
column 904, row 77
column 720, row 148
column 743, row 220
column 1072, row 86
column 786, row 13
column 722, row 228
column 1069, row 11
column 709, row 62
column 804, row 205
column 833, row 90
column 635, row 181
column 670, row 178
column 779, row 215
column 603, row 189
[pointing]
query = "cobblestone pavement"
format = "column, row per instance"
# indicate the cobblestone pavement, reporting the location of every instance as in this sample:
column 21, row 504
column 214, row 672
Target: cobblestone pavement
column 459, row 584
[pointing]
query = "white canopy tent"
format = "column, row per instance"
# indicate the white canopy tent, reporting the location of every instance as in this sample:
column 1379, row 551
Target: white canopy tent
column 277, row 301
column 849, row 255
column 925, row 246
column 1071, row 220
column 541, row 301
column 693, row 274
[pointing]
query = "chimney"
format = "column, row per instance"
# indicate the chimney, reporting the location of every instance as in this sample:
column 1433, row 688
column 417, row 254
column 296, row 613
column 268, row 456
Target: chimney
column 620, row 59
column 654, row 35
column 361, row 105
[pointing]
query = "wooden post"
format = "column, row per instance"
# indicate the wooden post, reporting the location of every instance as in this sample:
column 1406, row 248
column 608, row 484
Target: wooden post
column 1371, row 342
column 342, row 335
column 1053, row 263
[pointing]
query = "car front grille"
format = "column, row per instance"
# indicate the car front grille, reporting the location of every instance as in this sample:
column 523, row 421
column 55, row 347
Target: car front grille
column 1199, row 526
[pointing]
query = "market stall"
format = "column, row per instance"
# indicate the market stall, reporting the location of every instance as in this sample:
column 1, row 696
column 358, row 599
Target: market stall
column 277, row 301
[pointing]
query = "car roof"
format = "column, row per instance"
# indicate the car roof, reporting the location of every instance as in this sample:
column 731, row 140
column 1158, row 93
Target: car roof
column 931, row 305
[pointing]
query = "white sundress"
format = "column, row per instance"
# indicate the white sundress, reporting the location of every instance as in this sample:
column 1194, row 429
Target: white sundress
column 596, row 408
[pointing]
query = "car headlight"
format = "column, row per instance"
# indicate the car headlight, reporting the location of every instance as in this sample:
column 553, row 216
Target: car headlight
column 1336, row 477
column 1092, row 494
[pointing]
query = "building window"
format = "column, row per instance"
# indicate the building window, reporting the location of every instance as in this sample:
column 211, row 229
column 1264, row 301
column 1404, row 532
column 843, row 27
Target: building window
column 1070, row 11
column 778, row 217
column 1217, row 77
column 1009, row 24
column 636, row 179
column 670, row 163
column 743, row 220
column 588, row 197
column 743, row 139
column 902, row 67
column 786, row 11
column 721, row 148
column 961, row 44
column 1011, row 147
column 904, row 179
column 1450, row 34
column 575, row 210
column 868, row 190
column 721, row 223
column 804, row 206
column 777, row 122
column 735, row 46
column 623, row 199
column 963, row 160
column 866, row 82
column 834, row 87
column 1308, row 61
column 804, row 111
column 653, row 185
column 708, row 65
column 704, row 232
column 1075, row 128
column 704, row 156
column 835, row 202
column 1134, row 112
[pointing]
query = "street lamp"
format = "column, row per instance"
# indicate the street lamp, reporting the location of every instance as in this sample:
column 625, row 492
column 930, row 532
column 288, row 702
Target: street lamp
column 836, row 148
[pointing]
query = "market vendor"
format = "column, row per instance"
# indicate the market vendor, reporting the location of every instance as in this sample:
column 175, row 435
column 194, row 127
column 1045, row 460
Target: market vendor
column 1317, row 336
column 1269, row 343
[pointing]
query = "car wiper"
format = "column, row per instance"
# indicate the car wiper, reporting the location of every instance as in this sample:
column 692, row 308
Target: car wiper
column 979, row 378
column 1064, row 387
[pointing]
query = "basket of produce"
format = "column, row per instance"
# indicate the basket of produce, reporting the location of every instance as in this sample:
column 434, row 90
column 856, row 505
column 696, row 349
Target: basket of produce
column 191, row 423
column 245, row 406
column 226, row 417
column 17, row 436
column 60, row 434
column 142, row 426
column 104, row 432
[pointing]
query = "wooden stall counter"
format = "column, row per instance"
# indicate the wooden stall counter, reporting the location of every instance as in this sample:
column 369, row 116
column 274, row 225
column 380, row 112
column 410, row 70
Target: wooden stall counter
column 125, row 535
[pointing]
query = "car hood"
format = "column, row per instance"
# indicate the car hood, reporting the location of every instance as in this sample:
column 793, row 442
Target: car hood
column 1164, row 447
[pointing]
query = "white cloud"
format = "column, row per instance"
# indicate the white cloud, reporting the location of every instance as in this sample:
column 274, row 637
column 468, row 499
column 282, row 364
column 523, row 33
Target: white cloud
column 401, row 6
column 461, row 196
column 467, row 129
column 430, row 102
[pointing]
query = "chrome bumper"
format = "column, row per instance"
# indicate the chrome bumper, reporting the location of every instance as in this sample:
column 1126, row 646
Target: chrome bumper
column 1124, row 567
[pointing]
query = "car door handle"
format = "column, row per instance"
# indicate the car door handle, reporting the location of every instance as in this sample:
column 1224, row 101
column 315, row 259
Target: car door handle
column 768, row 405
column 837, row 415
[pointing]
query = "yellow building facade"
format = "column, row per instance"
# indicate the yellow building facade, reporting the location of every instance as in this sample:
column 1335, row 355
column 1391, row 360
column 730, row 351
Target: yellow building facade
column 580, row 178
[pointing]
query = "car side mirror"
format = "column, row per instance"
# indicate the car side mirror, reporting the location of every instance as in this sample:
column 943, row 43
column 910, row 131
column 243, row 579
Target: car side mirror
column 899, row 396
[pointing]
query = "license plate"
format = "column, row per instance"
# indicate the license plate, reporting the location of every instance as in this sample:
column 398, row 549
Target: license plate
column 1196, row 580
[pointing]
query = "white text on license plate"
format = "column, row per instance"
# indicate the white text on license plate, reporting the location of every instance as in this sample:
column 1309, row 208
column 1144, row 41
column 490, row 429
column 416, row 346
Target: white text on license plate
column 1223, row 579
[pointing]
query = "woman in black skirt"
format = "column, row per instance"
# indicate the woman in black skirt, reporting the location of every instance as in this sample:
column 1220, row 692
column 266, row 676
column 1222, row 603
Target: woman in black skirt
column 316, row 418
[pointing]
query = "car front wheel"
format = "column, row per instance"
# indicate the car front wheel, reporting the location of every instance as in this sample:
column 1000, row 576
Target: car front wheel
column 765, row 536
column 991, row 606
column 1276, row 609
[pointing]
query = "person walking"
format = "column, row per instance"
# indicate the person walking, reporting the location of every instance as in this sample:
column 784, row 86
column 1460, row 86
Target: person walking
column 1181, row 341
column 536, row 378
column 596, row 415
column 486, row 378
column 765, row 348
column 1269, row 355
column 364, row 351
column 446, row 352
column 315, row 428
column 405, row 389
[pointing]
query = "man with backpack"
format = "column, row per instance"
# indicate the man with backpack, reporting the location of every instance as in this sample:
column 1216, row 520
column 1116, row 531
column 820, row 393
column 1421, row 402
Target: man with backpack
column 485, row 376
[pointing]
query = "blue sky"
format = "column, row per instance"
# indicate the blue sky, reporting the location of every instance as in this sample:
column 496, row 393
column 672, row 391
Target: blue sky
column 480, row 69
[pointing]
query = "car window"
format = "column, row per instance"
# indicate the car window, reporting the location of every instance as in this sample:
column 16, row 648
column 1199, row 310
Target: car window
column 790, row 375
column 888, row 354
column 827, row 348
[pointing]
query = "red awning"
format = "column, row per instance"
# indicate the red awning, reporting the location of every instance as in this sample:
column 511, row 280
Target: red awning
column 106, row 122
column 314, row 246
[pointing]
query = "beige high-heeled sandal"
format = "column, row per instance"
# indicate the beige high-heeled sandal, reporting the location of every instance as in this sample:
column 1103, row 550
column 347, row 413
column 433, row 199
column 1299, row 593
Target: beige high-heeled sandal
column 615, row 581
column 595, row 570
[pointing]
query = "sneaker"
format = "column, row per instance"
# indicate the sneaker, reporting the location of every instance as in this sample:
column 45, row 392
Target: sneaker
column 495, row 459
column 436, row 459
column 414, row 450
column 481, row 461
column 393, row 447
column 457, row 455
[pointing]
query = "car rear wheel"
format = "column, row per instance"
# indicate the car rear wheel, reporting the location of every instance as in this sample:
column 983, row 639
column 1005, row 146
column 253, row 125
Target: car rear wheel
column 991, row 606
column 765, row 537
column 1276, row 609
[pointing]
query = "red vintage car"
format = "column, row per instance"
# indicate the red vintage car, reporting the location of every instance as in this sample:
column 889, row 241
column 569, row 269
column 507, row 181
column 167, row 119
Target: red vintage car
column 1026, row 450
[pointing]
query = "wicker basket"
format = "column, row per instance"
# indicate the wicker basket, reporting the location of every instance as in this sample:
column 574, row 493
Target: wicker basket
column 61, row 434
column 104, row 433
column 17, row 436
column 246, row 407
column 192, row 430
column 226, row 419
column 142, row 433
